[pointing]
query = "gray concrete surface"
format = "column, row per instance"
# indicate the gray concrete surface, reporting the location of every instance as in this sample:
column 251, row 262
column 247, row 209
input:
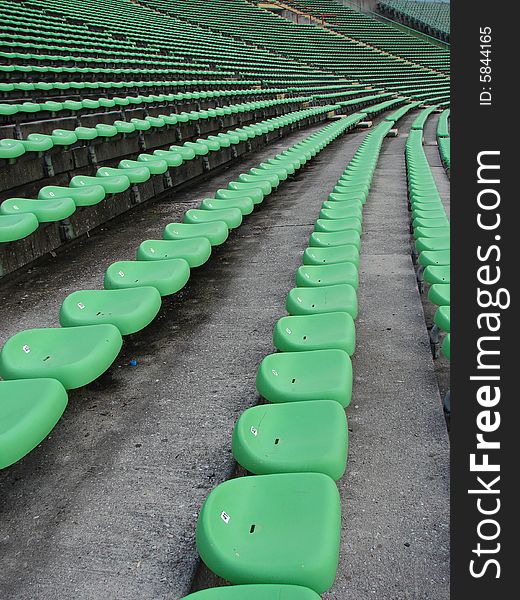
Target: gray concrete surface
column 106, row 507
column 395, row 496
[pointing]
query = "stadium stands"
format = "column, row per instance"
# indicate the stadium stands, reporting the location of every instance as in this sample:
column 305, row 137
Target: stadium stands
column 107, row 106
column 431, row 17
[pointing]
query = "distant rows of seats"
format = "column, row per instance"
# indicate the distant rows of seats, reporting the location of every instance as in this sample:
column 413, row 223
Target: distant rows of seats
column 313, row 45
column 296, row 446
column 430, row 17
column 384, row 36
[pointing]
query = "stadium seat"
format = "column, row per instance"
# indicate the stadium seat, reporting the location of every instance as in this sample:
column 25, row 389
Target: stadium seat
column 168, row 276
column 29, row 410
column 333, row 298
column 439, row 294
column 17, row 226
column 216, row 232
column 292, row 438
column 82, row 196
column 306, row 375
column 255, row 592
column 46, row 211
column 268, row 529
column 315, row 332
column 331, row 255
column 325, row 275
column 74, row 356
column 129, row 309
column 321, row 239
column 232, row 217
column 196, row 251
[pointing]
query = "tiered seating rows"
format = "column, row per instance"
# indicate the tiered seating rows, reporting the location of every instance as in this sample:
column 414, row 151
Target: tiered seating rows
column 38, row 365
column 296, row 446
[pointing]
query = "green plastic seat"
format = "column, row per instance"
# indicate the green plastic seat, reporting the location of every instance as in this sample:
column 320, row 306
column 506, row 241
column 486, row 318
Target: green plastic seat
column 319, row 331
column 431, row 222
column 324, row 275
column 333, row 225
column 216, row 232
column 29, row 410
column 111, row 185
column 155, row 165
column 168, row 276
column 342, row 212
column 63, row 137
column 10, row 149
column 307, row 375
column 264, row 591
column 432, row 244
column 173, row 159
column 320, row 239
column 248, row 188
column 331, row 255
column 231, row 216
column 431, row 257
column 442, row 318
column 280, row 528
column 255, row 195
column 445, row 347
column 46, row 211
column 130, row 309
column 37, row 142
column 186, row 152
column 296, row 437
column 431, row 232
column 332, row 298
column 16, row 227
column 437, row 274
column 86, row 133
column 82, row 196
column 200, row 148
column 196, row 251
column 134, row 174
column 245, row 204
column 439, row 294
column 74, row 356
column 360, row 196
column 281, row 172
column 271, row 179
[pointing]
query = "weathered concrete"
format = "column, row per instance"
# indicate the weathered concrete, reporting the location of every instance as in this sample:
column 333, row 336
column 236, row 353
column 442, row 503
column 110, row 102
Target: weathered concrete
column 107, row 505
column 395, row 498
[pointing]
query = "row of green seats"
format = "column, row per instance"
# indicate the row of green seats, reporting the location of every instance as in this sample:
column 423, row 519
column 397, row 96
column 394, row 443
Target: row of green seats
column 431, row 232
column 63, row 86
column 245, row 533
column 19, row 217
column 11, row 149
column 443, row 139
column 88, row 104
column 130, row 300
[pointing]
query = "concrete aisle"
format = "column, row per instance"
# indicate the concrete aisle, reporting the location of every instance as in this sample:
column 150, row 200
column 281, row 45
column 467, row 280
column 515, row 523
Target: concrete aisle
column 106, row 507
column 395, row 497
